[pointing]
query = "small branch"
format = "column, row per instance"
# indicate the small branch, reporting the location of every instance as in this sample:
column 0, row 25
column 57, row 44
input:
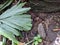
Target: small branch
column 29, row 42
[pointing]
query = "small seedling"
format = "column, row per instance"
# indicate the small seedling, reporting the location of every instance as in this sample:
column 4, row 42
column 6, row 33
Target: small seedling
column 35, row 40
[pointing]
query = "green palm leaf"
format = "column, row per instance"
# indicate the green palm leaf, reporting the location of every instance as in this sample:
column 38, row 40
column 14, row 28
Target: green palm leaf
column 10, row 29
column 7, row 3
column 8, row 35
column 14, row 20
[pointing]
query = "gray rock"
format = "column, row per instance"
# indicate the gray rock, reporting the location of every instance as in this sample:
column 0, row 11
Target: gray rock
column 56, row 41
column 41, row 31
column 50, row 34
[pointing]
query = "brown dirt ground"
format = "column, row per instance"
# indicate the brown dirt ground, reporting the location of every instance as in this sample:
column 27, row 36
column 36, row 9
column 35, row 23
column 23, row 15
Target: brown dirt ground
column 54, row 20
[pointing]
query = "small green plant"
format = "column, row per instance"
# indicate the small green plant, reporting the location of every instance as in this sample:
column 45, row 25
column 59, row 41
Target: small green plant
column 35, row 40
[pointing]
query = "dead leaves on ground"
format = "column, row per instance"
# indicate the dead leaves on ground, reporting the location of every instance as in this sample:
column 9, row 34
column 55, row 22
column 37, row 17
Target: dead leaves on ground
column 21, row 43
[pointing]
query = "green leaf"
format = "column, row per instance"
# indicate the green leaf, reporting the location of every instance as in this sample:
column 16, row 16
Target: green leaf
column 8, row 28
column 14, row 20
column 13, row 43
column 39, row 40
column 35, row 43
column 12, row 25
column 35, row 38
column 8, row 35
column 38, row 36
column 9, row 13
column 7, row 3
column 23, row 22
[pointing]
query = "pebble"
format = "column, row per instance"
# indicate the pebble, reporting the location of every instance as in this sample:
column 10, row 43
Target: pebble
column 41, row 31
column 50, row 34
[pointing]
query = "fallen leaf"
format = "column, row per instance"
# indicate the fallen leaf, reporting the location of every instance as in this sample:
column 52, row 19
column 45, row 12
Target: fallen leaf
column 56, row 29
column 21, row 43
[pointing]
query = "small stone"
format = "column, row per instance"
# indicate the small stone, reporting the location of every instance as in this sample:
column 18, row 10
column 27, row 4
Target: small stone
column 56, row 41
column 50, row 34
column 41, row 31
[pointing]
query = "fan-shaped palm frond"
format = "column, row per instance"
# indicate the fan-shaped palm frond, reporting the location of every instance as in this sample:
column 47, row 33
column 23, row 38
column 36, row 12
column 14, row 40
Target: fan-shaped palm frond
column 15, row 19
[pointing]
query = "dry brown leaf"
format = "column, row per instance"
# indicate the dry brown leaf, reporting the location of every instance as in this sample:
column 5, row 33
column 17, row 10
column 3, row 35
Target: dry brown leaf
column 21, row 43
column 56, row 29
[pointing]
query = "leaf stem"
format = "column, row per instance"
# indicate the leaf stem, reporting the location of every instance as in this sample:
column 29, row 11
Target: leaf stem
column 29, row 42
column 4, row 41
